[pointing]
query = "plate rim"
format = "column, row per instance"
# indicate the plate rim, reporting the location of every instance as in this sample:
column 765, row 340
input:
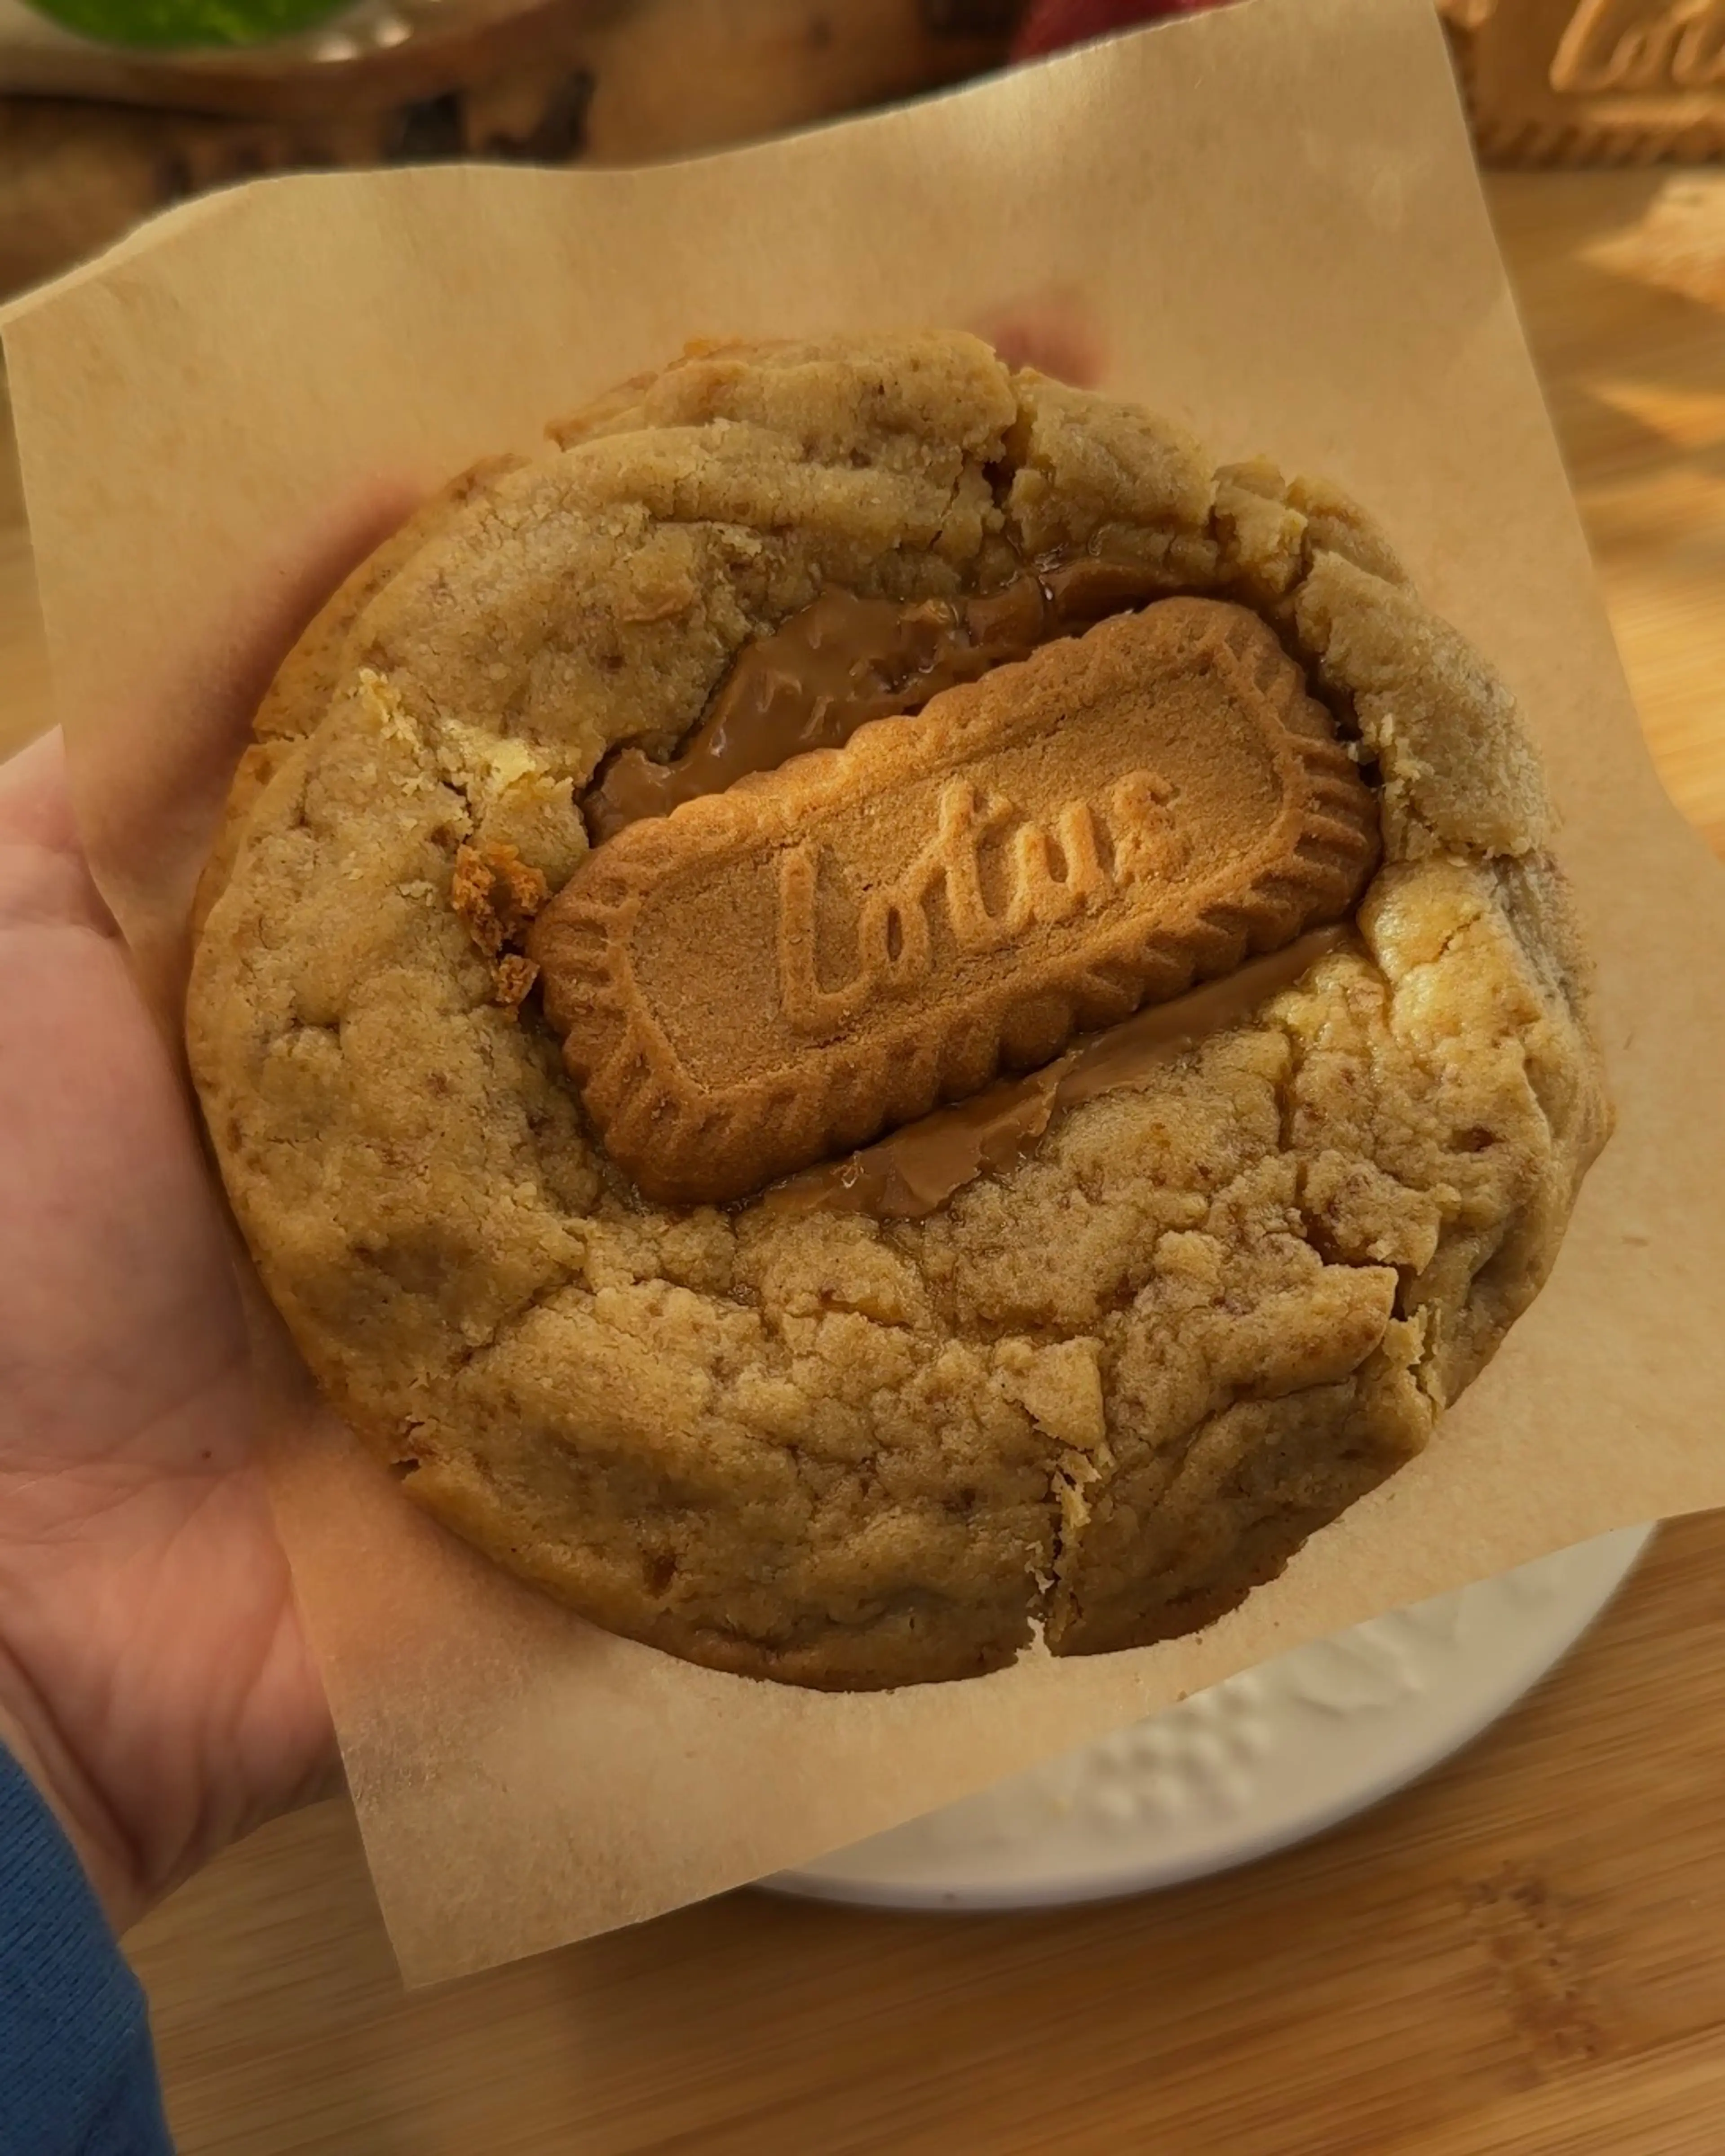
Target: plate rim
column 1413, row 1753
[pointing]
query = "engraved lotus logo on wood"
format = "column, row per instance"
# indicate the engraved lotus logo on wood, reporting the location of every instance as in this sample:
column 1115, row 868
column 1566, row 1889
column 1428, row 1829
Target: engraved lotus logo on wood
column 1591, row 81
column 782, row 971
column 1625, row 45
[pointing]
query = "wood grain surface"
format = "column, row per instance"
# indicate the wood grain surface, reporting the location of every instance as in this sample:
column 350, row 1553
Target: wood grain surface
column 1525, row 1955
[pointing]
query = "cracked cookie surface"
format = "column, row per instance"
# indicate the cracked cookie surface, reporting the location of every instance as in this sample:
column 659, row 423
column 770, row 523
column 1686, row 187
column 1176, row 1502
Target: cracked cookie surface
column 1105, row 1390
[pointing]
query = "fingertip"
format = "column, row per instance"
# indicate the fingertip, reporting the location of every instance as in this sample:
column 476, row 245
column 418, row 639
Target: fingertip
column 35, row 806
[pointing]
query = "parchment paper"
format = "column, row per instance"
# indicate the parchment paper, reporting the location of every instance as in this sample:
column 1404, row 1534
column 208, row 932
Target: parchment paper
column 1265, row 220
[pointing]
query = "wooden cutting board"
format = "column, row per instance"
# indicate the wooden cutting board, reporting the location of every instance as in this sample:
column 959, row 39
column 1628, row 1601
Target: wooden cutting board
column 1524, row 1956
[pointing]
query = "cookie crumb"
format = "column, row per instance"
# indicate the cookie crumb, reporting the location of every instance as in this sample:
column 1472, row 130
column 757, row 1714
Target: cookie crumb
column 516, row 975
column 496, row 894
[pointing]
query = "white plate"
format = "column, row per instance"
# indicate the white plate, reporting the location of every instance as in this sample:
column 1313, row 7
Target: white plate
column 1266, row 1759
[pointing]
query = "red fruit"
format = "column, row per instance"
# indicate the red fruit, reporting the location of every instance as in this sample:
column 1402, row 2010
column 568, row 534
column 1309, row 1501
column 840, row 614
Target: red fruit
column 1052, row 24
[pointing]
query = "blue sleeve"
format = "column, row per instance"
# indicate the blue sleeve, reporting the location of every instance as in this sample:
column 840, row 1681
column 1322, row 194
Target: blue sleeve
column 77, row 2075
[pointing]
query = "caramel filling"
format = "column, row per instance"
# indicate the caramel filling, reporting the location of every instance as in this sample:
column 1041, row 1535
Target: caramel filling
column 913, row 1172
column 845, row 660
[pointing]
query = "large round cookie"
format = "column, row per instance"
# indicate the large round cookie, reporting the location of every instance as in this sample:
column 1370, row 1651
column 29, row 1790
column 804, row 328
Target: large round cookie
column 1103, row 1391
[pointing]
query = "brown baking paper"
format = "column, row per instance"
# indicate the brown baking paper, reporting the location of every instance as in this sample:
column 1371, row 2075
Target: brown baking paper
column 1265, row 220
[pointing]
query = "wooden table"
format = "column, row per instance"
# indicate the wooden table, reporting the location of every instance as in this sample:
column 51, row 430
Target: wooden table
column 1525, row 1955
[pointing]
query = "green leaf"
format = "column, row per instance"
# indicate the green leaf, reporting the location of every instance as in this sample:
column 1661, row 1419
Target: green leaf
column 168, row 24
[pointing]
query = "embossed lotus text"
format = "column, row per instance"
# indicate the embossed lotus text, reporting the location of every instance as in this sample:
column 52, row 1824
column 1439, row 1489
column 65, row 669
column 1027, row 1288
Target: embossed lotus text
column 1048, row 873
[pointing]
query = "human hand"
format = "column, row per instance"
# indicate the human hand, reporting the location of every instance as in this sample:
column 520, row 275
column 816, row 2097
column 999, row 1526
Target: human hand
column 154, row 1677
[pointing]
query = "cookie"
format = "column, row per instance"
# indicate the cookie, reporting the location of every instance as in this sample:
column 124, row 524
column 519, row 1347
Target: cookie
column 1192, row 1226
column 1038, row 853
